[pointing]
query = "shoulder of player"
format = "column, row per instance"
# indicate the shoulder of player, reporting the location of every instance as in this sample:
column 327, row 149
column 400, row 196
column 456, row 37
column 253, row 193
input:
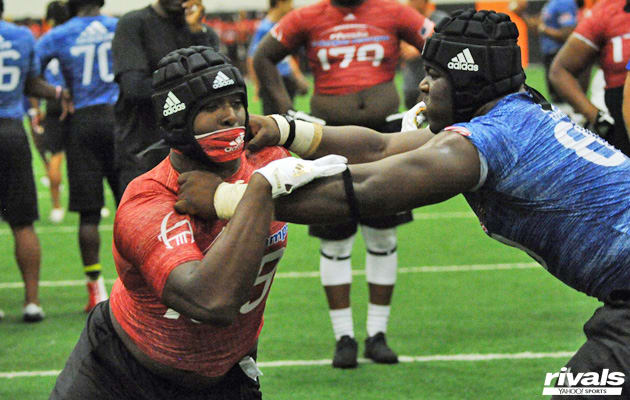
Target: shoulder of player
column 311, row 11
column 136, row 16
column 267, row 155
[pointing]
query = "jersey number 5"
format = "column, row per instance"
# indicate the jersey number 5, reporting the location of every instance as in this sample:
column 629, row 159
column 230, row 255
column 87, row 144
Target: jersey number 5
column 269, row 260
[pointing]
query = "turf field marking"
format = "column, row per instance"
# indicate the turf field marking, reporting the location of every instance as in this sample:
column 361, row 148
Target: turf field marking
column 108, row 227
column 527, row 355
column 315, row 274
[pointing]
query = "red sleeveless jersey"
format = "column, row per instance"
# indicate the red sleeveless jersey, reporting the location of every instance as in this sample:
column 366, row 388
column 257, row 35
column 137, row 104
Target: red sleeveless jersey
column 150, row 240
column 606, row 28
column 350, row 49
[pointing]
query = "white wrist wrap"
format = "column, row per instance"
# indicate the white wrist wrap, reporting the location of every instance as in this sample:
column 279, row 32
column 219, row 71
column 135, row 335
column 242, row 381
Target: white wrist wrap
column 227, row 197
column 306, row 139
column 283, row 127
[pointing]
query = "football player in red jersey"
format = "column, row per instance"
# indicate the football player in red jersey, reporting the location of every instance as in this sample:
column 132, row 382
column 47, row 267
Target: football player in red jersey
column 184, row 316
column 353, row 49
column 603, row 35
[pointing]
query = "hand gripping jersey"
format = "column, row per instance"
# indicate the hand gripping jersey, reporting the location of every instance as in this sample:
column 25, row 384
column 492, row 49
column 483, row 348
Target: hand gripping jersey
column 83, row 46
column 19, row 62
column 150, row 240
column 606, row 28
column 350, row 49
column 555, row 190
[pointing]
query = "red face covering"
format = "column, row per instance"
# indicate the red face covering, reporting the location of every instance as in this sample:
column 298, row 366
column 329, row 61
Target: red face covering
column 223, row 145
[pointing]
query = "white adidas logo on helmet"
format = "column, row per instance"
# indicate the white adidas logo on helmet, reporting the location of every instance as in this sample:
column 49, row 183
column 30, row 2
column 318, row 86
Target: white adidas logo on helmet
column 221, row 80
column 463, row 61
column 172, row 105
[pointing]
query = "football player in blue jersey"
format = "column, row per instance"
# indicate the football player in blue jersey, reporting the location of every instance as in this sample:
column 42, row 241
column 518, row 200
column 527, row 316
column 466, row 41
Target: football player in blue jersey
column 535, row 179
column 83, row 47
column 19, row 76
column 48, row 131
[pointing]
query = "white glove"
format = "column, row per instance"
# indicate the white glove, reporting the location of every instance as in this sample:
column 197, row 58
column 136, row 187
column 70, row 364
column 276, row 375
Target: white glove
column 287, row 174
column 414, row 118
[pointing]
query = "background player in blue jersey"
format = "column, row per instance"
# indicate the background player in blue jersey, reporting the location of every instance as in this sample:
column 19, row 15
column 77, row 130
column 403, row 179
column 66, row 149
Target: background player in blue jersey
column 83, row 47
column 535, row 179
column 19, row 76
column 49, row 132
column 289, row 70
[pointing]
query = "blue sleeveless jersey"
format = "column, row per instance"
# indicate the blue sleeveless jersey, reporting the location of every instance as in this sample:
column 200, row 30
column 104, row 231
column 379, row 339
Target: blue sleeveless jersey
column 83, row 46
column 19, row 62
column 555, row 190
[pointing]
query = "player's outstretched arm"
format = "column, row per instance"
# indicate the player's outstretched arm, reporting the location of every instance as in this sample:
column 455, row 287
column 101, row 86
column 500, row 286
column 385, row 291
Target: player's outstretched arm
column 357, row 143
column 269, row 53
column 445, row 166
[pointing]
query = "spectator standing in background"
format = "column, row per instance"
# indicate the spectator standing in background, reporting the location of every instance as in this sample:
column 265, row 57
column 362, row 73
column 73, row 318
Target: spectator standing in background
column 353, row 50
column 142, row 38
column 292, row 77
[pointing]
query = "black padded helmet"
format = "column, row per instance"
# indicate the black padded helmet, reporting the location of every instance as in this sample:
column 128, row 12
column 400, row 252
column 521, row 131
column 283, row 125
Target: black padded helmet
column 185, row 81
column 478, row 52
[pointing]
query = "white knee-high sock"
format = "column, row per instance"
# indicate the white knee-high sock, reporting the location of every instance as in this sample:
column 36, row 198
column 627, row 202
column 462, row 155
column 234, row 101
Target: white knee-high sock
column 342, row 322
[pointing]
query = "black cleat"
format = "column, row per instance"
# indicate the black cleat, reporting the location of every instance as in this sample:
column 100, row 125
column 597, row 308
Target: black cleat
column 376, row 349
column 346, row 353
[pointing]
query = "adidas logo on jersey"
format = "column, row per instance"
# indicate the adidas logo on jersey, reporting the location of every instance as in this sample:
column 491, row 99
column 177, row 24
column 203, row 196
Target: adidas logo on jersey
column 221, row 80
column 172, row 105
column 463, row 61
column 94, row 33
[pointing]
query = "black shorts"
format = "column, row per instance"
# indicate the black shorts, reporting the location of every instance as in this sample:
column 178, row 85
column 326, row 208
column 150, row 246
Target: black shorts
column 100, row 367
column 607, row 343
column 55, row 131
column 90, row 155
column 18, row 198
column 345, row 230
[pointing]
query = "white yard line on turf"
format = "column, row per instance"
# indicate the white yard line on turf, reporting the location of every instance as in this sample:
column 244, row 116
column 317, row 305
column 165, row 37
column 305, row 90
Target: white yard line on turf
column 315, row 274
column 73, row 228
column 403, row 359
